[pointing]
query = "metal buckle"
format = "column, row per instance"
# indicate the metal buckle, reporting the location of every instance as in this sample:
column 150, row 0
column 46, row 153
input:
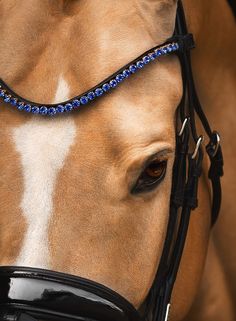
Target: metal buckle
column 183, row 126
column 198, row 144
column 167, row 312
column 217, row 143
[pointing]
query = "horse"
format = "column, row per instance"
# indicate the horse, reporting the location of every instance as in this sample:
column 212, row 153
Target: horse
column 88, row 193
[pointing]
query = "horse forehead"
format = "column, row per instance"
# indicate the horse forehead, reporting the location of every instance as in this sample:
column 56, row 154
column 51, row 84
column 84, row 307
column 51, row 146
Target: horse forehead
column 55, row 135
column 43, row 140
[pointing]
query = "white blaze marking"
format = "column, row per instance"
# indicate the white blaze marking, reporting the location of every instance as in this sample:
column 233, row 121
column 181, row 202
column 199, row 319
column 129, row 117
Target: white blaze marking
column 62, row 92
column 43, row 145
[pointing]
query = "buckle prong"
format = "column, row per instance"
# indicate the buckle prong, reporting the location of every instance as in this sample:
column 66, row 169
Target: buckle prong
column 183, row 126
column 167, row 312
column 199, row 141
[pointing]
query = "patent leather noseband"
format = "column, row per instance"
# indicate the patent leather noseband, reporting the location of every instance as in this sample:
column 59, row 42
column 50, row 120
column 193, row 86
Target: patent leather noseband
column 46, row 294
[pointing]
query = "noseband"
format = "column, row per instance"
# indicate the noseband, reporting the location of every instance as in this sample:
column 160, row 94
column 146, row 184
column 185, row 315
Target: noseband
column 28, row 294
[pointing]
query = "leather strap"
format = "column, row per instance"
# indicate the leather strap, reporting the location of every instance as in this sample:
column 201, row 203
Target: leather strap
column 216, row 159
column 186, row 172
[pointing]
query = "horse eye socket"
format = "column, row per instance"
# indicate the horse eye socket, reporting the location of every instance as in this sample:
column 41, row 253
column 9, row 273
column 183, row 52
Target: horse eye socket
column 152, row 175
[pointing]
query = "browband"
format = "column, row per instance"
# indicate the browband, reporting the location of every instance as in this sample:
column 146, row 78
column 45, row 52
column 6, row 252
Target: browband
column 172, row 45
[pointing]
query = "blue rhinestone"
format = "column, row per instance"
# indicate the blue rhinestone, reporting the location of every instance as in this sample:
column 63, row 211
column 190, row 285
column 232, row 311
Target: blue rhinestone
column 68, row 107
column 132, row 69
column 35, row 109
column 164, row 51
column 20, row 105
column 7, row 99
column 106, row 87
column 175, row 46
column 152, row 56
column 158, row 52
column 75, row 103
column 126, row 73
column 146, row 59
column 60, row 108
column 43, row 110
column 169, row 48
column 52, row 111
column 91, row 95
column 27, row 108
column 84, row 100
column 113, row 83
column 2, row 93
column 13, row 101
column 140, row 64
column 119, row 78
column 98, row 92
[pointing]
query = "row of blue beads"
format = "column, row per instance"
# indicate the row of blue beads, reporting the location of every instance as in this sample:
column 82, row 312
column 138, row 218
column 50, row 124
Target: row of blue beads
column 74, row 104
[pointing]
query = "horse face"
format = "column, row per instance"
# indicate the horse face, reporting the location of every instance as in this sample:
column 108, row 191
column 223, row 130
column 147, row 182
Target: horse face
column 77, row 187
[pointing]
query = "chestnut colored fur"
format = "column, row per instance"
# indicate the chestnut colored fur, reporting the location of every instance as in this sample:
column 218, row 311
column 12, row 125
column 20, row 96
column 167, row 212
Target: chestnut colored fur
column 55, row 49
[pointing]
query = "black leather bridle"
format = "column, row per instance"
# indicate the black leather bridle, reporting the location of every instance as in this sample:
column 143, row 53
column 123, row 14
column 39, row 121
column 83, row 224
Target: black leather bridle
column 28, row 294
column 186, row 172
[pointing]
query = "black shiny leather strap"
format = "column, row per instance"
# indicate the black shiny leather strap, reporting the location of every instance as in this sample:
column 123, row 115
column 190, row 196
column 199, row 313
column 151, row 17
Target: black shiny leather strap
column 32, row 292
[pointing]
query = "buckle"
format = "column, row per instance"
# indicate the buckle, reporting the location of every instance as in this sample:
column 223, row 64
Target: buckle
column 180, row 133
column 198, row 144
column 214, row 152
column 215, row 144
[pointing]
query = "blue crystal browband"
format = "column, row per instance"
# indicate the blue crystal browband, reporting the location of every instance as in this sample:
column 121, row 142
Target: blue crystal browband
column 10, row 97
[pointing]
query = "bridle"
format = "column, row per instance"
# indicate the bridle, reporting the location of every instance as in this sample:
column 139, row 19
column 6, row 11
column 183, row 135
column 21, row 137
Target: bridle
column 57, row 296
column 186, row 173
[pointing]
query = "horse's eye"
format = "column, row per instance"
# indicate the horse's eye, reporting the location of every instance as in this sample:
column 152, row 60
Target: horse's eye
column 152, row 175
